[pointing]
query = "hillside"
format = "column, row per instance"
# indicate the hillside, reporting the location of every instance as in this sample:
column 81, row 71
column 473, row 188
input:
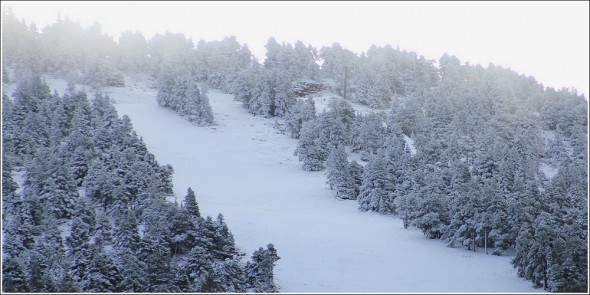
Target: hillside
column 245, row 168
column 373, row 171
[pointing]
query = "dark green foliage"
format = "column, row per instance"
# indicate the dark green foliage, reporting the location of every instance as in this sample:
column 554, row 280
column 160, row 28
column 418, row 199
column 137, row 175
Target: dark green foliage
column 10, row 199
column 179, row 92
column 302, row 111
column 133, row 271
column 320, row 135
column 65, row 144
column 223, row 240
column 160, row 278
column 339, row 176
column 206, row 234
column 259, row 271
column 126, row 233
column 80, row 250
column 14, row 278
column 102, row 275
column 229, row 276
column 367, row 134
column 373, row 195
column 190, row 204
column 104, row 230
column 199, row 268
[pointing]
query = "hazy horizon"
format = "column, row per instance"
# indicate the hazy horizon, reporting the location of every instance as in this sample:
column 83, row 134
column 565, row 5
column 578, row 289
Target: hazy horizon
column 547, row 40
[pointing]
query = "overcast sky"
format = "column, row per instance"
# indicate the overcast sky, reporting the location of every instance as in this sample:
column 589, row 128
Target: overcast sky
column 548, row 40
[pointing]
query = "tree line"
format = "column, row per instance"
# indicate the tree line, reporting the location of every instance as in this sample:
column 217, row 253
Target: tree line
column 91, row 213
column 500, row 162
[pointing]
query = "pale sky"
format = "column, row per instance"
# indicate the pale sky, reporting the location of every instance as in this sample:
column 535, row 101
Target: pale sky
column 548, row 40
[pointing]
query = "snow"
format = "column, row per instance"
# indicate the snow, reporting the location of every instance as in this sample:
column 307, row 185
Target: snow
column 547, row 135
column 410, row 144
column 323, row 98
column 548, row 170
column 246, row 170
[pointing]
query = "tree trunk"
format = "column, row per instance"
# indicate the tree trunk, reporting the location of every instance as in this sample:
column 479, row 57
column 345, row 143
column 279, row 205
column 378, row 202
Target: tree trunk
column 473, row 240
column 485, row 240
column 544, row 274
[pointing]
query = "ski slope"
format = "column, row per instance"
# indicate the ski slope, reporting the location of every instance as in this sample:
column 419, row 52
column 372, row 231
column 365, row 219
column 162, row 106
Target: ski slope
column 245, row 169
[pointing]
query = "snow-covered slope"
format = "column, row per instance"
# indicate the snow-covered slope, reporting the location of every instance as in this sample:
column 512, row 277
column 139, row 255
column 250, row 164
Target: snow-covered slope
column 245, row 169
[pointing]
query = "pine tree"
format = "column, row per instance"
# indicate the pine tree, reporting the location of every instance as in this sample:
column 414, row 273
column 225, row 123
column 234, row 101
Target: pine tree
column 133, row 271
column 166, row 76
column 379, row 94
column 432, row 214
column 10, row 199
column 102, row 275
column 182, row 232
column 198, row 267
column 463, row 211
column 244, row 85
column 67, row 284
column 261, row 103
column 103, row 234
column 230, row 276
column 99, row 184
column 205, row 237
column 204, row 110
column 190, row 204
column 38, row 272
column 14, row 279
column 284, row 98
column 339, row 176
column 332, row 131
column 372, row 195
column 537, row 266
column 15, row 235
column 19, row 230
column 178, row 97
column 9, row 129
column 126, row 234
column 60, row 189
column 157, row 258
column 50, row 247
column 302, row 111
column 225, row 247
column 367, row 134
column 259, row 271
column 309, row 149
column 80, row 250
column 356, row 175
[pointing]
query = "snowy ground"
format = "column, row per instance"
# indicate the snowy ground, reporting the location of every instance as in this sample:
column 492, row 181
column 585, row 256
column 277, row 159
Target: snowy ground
column 245, row 169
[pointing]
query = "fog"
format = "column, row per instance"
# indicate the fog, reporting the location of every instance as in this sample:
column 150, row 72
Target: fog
column 548, row 40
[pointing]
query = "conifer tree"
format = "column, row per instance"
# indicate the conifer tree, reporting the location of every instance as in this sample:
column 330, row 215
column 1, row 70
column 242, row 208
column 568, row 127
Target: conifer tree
column 190, row 204
column 230, row 276
column 126, row 234
column 356, row 175
column 302, row 111
column 133, row 271
column 259, row 271
column 339, row 176
column 198, row 267
column 59, row 189
column 372, row 195
column 14, row 279
column 10, row 199
column 225, row 247
column 102, row 275
column 308, row 148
